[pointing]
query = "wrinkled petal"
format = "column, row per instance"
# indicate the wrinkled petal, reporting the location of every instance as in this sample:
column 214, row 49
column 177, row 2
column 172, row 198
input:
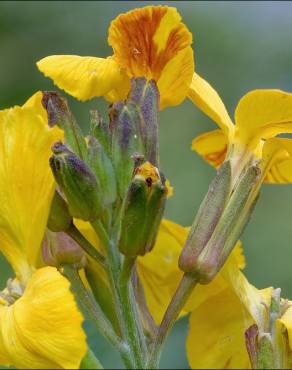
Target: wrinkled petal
column 154, row 43
column 175, row 79
column 83, row 77
column 43, row 329
column 252, row 299
column 207, row 99
column 212, row 146
column 216, row 333
column 262, row 114
column 26, row 182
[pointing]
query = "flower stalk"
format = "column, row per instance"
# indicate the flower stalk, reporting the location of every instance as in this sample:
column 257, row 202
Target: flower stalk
column 183, row 292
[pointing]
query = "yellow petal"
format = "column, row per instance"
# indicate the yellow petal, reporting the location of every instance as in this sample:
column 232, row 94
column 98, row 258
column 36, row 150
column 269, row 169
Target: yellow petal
column 286, row 320
column 154, row 43
column 43, row 329
column 82, row 77
column 121, row 89
column 277, row 161
column 216, row 334
column 262, row 114
column 88, row 232
column 158, row 270
column 212, row 146
column 173, row 85
column 26, row 182
column 252, row 299
column 220, row 320
column 169, row 188
column 207, row 99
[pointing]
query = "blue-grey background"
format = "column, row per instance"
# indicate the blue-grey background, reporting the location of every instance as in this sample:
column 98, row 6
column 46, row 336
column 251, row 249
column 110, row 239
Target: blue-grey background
column 238, row 46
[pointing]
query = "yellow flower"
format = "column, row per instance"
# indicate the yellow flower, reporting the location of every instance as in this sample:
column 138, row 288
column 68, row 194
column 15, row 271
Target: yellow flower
column 151, row 42
column 260, row 116
column 40, row 325
column 43, row 328
column 216, row 338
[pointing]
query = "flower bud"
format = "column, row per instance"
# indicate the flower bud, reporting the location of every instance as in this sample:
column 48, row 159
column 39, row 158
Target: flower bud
column 126, row 143
column 142, row 211
column 102, row 166
column 207, row 218
column 206, row 253
column 60, row 249
column 59, row 114
column 59, row 217
column 77, row 182
column 144, row 95
column 134, row 129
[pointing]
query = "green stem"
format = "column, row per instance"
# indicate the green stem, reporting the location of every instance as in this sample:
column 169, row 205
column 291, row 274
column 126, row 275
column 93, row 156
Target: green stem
column 112, row 254
column 133, row 324
column 85, row 245
column 148, row 322
column 113, row 270
column 91, row 309
column 184, row 290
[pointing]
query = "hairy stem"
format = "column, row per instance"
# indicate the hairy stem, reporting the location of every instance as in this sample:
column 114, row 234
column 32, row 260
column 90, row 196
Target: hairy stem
column 148, row 320
column 114, row 270
column 135, row 333
column 184, row 290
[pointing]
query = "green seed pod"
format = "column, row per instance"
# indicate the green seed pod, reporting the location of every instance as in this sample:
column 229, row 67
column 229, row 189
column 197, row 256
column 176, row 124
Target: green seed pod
column 77, row 182
column 59, row 217
column 142, row 211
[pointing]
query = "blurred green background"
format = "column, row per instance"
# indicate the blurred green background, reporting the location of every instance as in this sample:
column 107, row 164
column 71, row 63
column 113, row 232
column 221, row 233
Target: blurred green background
column 238, row 46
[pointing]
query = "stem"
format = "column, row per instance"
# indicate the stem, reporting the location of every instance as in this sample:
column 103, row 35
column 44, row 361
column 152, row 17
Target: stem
column 148, row 321
column 85, row 245
column 183, row 291
column 134, row 328
column 113, row 257
column 113, row 270
column 91, row 309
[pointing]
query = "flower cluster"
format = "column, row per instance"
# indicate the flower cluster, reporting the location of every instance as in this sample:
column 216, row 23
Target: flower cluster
column 81, row 218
